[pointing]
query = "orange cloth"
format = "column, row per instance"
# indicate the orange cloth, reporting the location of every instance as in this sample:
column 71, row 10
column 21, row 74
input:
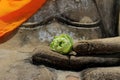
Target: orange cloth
column 14, row 12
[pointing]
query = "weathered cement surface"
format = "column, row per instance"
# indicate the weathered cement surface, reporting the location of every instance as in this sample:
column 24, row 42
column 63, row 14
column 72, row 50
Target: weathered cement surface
column 16, row 53
column 15, row 63
column 76, row 10
column 47, row 32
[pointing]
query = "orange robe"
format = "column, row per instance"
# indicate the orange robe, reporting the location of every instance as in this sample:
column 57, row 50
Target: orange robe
column 14, row 12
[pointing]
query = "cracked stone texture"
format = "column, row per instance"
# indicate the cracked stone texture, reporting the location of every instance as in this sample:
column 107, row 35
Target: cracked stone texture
column 16, row 53
column 17, row 66
column 75, row 10
column 102, row 74
column 15, row 60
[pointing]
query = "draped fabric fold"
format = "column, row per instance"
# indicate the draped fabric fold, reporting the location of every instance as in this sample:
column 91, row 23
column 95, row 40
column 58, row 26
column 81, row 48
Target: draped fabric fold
column 14, row 12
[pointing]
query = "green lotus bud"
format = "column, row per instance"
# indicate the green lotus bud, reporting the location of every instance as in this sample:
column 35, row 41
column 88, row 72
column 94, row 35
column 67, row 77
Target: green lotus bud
column 62, row 44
